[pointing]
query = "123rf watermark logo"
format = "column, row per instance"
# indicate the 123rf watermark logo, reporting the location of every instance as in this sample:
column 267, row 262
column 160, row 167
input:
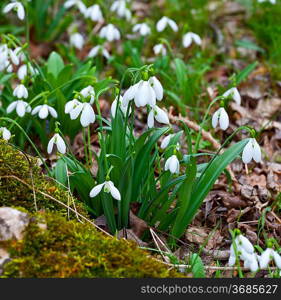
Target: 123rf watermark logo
column 231, row 289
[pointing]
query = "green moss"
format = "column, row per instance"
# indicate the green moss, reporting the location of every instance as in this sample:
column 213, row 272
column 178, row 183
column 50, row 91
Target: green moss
column 71, row 249
column 16, row 166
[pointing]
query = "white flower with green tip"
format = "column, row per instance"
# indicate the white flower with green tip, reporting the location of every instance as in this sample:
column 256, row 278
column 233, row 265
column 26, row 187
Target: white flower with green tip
column 5, row 133
column 108, row 188
column 59, row 142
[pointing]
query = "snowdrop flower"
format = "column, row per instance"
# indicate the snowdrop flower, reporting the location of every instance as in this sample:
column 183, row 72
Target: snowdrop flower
column 70, row 105
column 88, row 92
column 144, row 92
column 160, row 49
column 268, row 255
column 159, row 115
column 166, row 141
column 5, row 133
column 233, row 92
column 190, row 37
column 164, row 22
column 220, row 117
column 110, row 32
column 245, row 250
column 108, row 188
column 20, row 92
column 94, row 13
column 142, row 28
column 20, row 106
column 251, row 151
column 22, row 72
column 123, row 107
column 87, row 114
column 99, row 50
column 78, row 3
column 119, row 6
column 44, row 110
column 17, row 6
column 172, row 164
column 77, row 40
column 59, row 142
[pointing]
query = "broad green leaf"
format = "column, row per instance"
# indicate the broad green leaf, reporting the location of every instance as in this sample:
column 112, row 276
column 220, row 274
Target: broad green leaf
column 55, row 64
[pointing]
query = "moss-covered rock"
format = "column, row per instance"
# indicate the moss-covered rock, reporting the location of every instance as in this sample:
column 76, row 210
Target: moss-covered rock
column 21, row 178
column 72, row 249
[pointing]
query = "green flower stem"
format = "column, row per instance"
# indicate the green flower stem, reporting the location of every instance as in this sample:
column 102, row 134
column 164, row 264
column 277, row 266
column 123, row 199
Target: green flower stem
column 85, row 146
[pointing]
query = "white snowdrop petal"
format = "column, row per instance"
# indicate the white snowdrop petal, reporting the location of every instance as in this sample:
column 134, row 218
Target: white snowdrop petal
column 130, row 94
column 22, row 72
column 8, row 7
column 254, row 266
column 173, row 25
column 187, row 40
column 256, row 152
column 161, row 116
column 277, row 259
column 43, row 112
column 96, row 190
column 246, row 244
column 113, row 108
column 94, row 51
column 197, row 39
column 265, row 258
column 52, row 112
column 51, row 145
column 167, row 163
column 142, row 94
column 173, row 165
column 161, row 24
column 231, row 260
column 247, row 154
column 74, row 113
column 20, row 108
column 87, row 116
column 61, row 144
column 223, row 119
column 165, row 142
column 236, row 96
column 157, row 87
column 215, row 119
column 115, row 193
column 21, row 12
column 36, row 110
column 11, row 107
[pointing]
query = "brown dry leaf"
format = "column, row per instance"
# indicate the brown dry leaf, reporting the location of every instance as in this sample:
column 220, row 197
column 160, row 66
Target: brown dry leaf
column 267, row 108
column 138, row 225
column 233, row 202
column 197, row 235
column 214, row 241
column 256, row 180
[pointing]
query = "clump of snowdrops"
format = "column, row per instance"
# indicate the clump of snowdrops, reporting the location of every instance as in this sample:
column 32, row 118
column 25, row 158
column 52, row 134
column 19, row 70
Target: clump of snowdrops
column 150, row 169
